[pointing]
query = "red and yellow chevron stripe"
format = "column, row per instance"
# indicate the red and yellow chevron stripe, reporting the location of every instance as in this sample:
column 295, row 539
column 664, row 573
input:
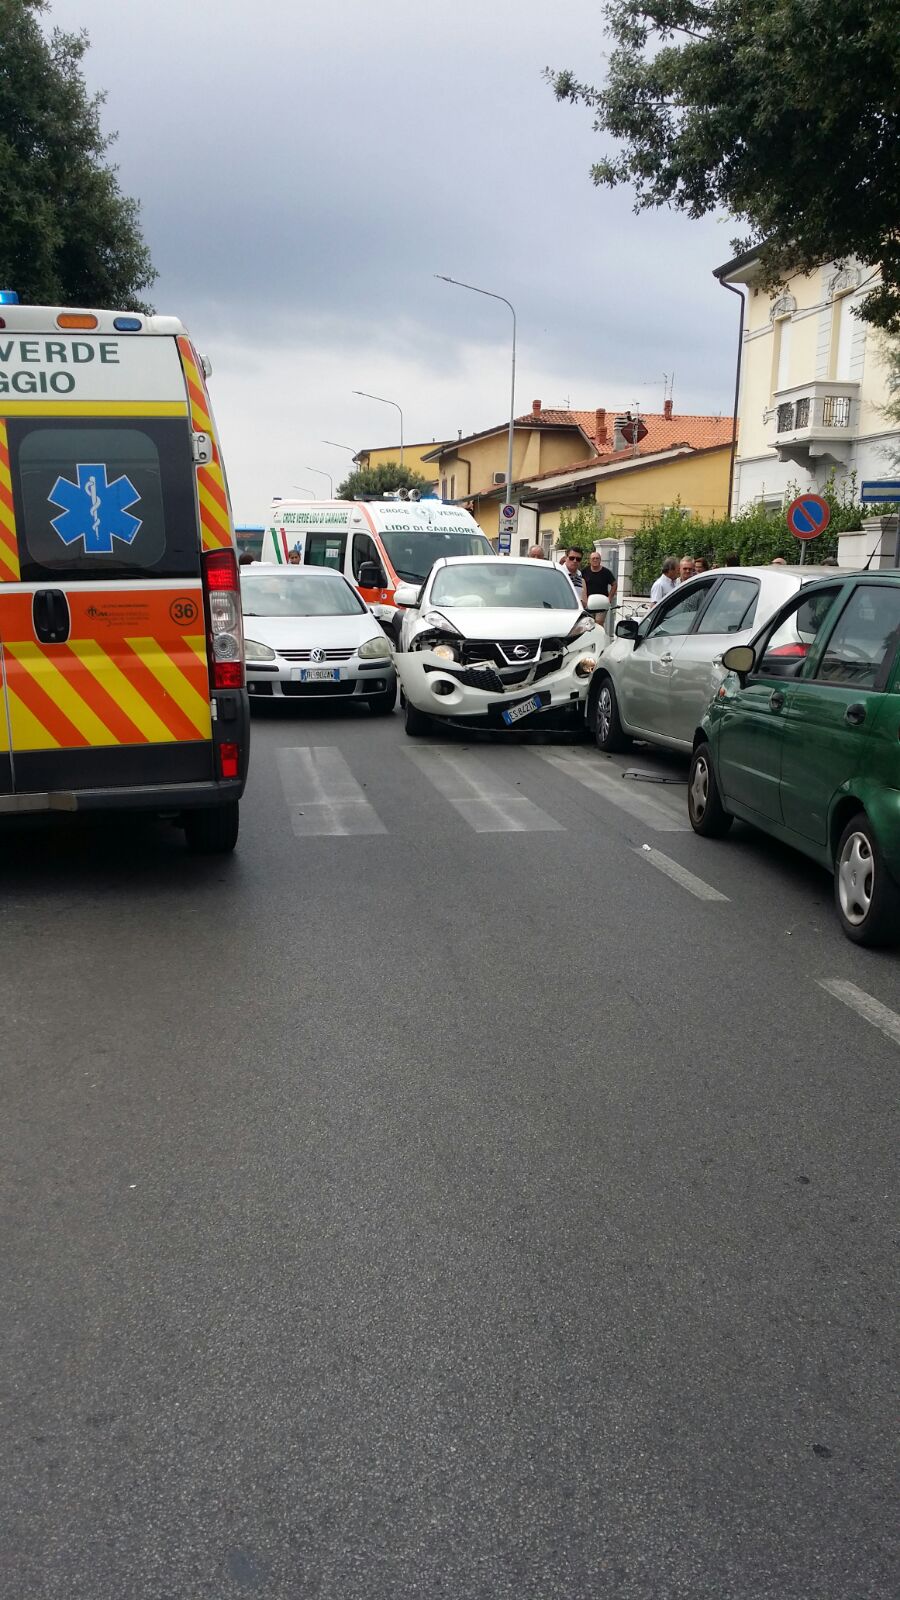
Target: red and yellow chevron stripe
column 9, row 544
column 117, row 688
column 215, row 517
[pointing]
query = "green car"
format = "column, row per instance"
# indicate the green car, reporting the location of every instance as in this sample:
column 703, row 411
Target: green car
column 802, row 739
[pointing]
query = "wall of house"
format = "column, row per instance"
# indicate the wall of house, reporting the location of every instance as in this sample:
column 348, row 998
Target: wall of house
column 818, row 338
column 699, row 481
column 534, row 452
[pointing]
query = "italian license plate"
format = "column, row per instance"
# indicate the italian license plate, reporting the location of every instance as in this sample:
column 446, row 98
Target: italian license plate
column 523, row 709
column 318, row 674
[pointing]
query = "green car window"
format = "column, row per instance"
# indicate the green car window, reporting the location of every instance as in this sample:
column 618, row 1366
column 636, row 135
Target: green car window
column 794, row 634
column 862, row 647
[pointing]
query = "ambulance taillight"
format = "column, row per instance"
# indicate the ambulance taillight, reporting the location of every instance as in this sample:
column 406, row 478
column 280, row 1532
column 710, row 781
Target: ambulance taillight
column 223, row 611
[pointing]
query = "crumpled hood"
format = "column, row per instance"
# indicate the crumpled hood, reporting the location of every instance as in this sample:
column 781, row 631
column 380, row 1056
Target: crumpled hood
column 504, row 622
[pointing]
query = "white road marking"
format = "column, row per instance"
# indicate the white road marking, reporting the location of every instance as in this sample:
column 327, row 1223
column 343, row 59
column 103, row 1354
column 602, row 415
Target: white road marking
column 595, row 774
column 869, row 1009
column 323, row 796
column 482, row 799
column 679, row 874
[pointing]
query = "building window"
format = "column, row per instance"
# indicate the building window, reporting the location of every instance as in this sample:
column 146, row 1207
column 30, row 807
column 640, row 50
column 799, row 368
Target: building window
column 783, row 334
column 836, row 411
column 523, row 547
column 443, row 488
column 453, row 486
column 843, row 327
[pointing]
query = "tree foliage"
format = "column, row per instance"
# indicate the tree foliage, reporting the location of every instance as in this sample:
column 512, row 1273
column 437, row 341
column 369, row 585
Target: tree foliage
column 68, row 236
column 381, row 480
column 579, row 526
column 785, row 113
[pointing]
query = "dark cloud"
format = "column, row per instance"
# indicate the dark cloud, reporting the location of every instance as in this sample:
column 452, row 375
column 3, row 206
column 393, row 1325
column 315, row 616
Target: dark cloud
column 304, row 172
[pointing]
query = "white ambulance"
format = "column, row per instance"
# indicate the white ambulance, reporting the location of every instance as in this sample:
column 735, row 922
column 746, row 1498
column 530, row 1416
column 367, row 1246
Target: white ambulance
column 376, row 544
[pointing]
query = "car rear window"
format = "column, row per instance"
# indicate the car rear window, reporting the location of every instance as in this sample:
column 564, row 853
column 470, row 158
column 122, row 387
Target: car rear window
column 104, row 498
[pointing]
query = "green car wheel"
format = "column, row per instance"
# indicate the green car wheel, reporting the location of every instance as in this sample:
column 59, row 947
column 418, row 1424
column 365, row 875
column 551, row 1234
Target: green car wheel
column 705, row 809
column 866, row 896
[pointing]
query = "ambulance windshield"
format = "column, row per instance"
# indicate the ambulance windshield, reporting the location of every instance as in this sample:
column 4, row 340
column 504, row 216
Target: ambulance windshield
column 412, row 555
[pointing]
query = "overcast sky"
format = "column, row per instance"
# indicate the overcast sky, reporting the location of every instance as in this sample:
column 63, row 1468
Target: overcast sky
column 304, row 170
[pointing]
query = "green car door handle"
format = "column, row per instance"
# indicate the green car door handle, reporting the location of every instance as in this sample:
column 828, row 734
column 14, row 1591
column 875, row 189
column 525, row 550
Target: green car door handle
column 776, row 700
column 855, row 714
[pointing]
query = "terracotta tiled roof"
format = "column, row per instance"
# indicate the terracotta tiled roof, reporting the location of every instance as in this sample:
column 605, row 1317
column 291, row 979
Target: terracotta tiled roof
column 662, row 432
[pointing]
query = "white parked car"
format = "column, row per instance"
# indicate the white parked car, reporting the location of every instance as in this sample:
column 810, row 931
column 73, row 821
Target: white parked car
column 496, row 641
column 657, row 677
column 308, row 635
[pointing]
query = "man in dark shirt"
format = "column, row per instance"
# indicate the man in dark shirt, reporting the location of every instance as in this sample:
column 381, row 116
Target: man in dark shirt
column 598, row 579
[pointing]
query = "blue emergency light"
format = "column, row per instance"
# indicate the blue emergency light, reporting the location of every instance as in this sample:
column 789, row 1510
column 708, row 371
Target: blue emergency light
column 8, row 297
column 127, row 324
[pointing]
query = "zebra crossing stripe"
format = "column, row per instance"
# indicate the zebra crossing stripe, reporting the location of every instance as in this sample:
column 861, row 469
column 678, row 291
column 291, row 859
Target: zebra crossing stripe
column 594, row 774
column 323, row 796
column 484, row 801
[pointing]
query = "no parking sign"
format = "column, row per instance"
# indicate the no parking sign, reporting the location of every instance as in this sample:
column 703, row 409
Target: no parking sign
column 808, row 516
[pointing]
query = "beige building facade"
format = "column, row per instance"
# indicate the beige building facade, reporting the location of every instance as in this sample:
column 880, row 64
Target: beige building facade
column 813, row 384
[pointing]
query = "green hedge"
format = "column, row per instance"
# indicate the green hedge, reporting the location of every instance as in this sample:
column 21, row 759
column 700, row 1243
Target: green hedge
column 756, row 536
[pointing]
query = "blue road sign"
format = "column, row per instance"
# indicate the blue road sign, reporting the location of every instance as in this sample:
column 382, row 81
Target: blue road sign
column 880, row 491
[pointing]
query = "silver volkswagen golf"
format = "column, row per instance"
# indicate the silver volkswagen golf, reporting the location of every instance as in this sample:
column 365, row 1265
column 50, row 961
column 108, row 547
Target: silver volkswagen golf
column 656, row 678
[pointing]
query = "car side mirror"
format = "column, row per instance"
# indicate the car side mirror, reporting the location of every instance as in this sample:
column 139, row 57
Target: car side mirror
column 406, row 594
column 598, row 602
column 371, row 575
column 627, row 628
column 739, row 658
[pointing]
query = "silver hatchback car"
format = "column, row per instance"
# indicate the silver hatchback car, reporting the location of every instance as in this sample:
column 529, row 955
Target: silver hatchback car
column 656, row 678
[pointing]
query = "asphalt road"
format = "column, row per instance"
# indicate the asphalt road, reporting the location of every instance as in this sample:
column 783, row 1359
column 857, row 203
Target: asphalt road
column 440, row 1198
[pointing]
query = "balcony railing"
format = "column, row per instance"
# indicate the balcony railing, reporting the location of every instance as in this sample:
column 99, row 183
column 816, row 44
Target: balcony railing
column 816, row 418
column 835, row 411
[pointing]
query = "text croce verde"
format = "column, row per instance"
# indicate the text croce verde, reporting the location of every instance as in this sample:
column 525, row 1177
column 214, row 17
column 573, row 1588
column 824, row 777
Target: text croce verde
column 50, row 366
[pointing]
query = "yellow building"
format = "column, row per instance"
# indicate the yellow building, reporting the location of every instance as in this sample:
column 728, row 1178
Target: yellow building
column 415, row 457
column 473, row 469
column 813, row 383
column 630, row 488
column 554, row 444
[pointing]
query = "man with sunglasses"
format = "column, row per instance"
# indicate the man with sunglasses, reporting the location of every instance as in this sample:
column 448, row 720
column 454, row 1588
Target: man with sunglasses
column 571, row 565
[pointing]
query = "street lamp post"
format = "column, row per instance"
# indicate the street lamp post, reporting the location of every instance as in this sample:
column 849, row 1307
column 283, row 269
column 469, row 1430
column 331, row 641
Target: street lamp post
column 320, row 474
column 512, row 393
column 303, row 489
column 381, row 400
column 336, row 446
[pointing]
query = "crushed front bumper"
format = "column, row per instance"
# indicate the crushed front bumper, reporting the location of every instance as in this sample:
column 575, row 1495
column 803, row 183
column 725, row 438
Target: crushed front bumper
column 455, row 693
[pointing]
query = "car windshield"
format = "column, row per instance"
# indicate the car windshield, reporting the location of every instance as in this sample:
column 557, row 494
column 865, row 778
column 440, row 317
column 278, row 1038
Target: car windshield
column 503, row 584
column 413, row 554
column 273, row 595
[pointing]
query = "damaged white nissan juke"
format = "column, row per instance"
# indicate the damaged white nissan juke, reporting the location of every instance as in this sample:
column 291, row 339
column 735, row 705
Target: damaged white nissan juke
column 496, row 642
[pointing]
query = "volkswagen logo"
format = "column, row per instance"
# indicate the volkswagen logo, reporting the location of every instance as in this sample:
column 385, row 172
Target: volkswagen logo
column 317, row 655
column 521, row 652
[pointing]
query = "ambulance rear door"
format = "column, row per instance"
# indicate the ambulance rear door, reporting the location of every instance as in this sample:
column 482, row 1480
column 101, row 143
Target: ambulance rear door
column 102, row 625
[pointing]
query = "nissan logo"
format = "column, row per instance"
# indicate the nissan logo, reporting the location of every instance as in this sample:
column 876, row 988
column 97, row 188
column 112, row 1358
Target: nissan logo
column 521, row 651
column 317, row 655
